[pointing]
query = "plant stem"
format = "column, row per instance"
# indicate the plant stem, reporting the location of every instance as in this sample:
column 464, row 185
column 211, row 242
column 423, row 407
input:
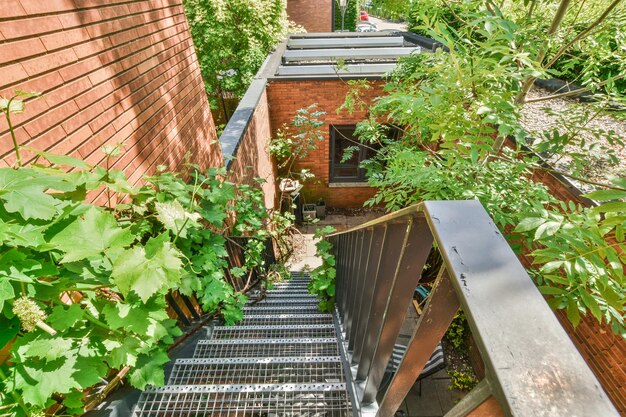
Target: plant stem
column 16, row 397
column 584, row 33
column 16, row 147
column 573, row 92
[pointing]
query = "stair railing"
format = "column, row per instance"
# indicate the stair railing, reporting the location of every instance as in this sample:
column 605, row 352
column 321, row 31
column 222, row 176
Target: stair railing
column 532, row 367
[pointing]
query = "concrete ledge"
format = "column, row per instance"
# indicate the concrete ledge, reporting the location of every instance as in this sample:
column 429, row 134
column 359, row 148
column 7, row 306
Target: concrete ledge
column 349, row 185
column 237, row 126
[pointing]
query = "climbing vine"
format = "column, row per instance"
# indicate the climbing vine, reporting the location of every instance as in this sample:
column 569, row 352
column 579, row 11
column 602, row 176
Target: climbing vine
column 83, row 286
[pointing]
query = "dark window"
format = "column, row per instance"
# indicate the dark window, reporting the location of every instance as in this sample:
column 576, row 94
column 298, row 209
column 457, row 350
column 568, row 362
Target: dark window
column 341, row 138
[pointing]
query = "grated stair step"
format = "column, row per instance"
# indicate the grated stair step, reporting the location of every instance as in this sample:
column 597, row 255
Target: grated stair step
column 281, row 359
column 255, row 348
column 330, row 400
column 298, row 370
column 272, row 332
column 285, row 319
column 285, row 301
column 277, row 309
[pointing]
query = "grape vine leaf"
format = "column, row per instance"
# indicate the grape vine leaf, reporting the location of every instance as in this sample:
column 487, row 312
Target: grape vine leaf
column 149, row 370
column 147, row 271
column 39, row 380
column 122, row 353
column 49, row 349
column 63, row 318
column 6, row 291
column 24, row 192
column 90, row 235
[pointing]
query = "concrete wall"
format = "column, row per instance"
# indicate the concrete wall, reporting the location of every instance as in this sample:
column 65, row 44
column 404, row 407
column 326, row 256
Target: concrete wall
column 286, row 97
column 313, row 15
column 110, row 71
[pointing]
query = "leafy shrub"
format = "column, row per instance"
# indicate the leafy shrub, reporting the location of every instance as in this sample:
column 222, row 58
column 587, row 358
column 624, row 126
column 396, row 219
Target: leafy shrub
column 456, row 110
column 83, row 287
column 323, row 277
column 463, row 381
column 232, row 39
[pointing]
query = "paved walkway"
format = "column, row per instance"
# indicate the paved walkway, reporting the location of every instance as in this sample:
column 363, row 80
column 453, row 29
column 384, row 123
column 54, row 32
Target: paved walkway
column 382, row 24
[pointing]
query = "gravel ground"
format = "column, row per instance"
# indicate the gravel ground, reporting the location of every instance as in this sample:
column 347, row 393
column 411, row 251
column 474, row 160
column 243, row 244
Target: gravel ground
column 597, row 166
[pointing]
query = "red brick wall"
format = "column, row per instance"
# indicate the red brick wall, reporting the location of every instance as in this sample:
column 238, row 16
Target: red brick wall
column 285, row 97
column 314, row 15
column 110, row 71
column 253, row 159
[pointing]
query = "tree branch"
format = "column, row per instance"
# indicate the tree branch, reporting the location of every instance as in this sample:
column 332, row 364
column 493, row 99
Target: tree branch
column 573, row 92
column 541, row 54
column 584, row 33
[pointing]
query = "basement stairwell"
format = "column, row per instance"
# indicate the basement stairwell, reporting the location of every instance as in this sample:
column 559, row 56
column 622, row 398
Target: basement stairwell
column 286, row 358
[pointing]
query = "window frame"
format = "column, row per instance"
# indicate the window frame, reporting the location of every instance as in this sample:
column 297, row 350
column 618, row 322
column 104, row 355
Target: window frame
column 362, row 154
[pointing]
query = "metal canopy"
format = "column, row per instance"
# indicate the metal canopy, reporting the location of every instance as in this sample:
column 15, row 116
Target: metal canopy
column 314, row 56
column 361, row 69
column 325, row 43
column 348, row 54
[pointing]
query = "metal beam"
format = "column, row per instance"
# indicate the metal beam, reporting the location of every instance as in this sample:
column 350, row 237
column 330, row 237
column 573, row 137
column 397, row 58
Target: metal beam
column 324, row 69
column 347, row 54
column 315, row 43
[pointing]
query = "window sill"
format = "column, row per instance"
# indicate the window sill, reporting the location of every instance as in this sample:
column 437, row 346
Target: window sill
column 348, row 184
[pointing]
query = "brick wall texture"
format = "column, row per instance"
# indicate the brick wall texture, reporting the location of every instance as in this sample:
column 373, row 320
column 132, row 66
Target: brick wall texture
column 253, row 159
column 110, row 71
column 285, row 98
column 604, row 352
column 313, row 15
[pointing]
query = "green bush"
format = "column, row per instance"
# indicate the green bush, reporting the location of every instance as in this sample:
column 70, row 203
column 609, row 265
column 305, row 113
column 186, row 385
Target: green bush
column 233, row 38
column 83, row 287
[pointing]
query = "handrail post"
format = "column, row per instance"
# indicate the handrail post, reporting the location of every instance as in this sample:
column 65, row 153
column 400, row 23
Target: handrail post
column 438, row 313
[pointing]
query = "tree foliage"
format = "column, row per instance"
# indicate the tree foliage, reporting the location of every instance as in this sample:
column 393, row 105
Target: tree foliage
column 233, row 38
column 456, row 110
column 351, row 17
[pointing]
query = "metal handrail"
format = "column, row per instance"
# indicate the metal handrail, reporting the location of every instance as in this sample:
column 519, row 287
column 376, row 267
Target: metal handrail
column 532, row 367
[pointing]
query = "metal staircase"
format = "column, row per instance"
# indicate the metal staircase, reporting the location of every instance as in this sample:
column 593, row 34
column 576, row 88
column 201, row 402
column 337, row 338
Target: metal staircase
column 282, row 359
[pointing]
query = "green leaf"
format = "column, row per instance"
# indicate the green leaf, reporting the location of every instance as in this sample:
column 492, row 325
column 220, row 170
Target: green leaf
column 147, row 271
column 530, row 223
column 604, row 195
column 149, row 370
column 616, row 207
column 6, row 291
column 10, row 329
column 49, row 349
column 63, row 160
column 547, row 229
column 573, row 314
column 65, row 317
column 551, row 290
column 591, row 304
column 612, row 297
column 123, row 353
column 39, row 381
column 23, row 192
column 91, row 235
